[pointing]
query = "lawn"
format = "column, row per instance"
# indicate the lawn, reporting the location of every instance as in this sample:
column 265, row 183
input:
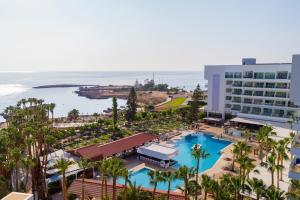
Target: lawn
column 173, row 104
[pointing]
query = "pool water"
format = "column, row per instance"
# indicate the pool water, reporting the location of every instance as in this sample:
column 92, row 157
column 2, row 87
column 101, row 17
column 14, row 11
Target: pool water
column 184, row 146
column 141, row 178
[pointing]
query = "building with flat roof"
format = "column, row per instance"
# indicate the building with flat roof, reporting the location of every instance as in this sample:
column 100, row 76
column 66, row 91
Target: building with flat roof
column 18, row 196
column 267, row 91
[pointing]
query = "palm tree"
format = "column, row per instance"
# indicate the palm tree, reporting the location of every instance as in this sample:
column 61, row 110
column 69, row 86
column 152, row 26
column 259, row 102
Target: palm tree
column 184, row 173
column 257, row 186
column 51, row 109
column 270, row 164
column 168, row 177
column 83, row 164
column 26, row 164
column 103, row 167
column 125, row 174
column 62, row 165
column 206, row 184
column 282, row 155
column 16, row 154
column 155, row 177
column 199, row 153
column 274, row 194
column 247, row 135
column 294, row 191
column 115, row 171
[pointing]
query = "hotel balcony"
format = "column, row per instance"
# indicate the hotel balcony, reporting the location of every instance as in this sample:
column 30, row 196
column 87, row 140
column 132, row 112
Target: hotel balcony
column 294, row 171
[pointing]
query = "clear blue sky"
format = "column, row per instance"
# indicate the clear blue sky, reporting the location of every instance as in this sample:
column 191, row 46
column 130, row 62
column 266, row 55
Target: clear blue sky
column 145, row 34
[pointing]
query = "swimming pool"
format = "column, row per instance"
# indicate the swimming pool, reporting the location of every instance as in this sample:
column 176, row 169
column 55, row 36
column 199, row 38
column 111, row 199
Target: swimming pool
column 141, row 178
column 184, row 157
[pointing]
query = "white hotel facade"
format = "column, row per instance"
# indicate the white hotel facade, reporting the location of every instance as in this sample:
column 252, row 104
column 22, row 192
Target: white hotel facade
column 268, row 91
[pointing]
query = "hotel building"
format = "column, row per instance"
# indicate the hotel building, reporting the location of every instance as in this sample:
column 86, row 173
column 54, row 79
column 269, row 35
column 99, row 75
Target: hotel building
column 259, row 91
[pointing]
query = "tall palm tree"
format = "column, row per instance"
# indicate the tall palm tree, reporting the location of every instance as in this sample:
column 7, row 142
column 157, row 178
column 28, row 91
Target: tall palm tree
column 257, row 186
column 126, row 175
column 199, row 153
column 274, row 194
column 16, row 154
column 63, row 166
column 103, row 167
column 168, row 177
column 206, row 184
column 185, row 173
column 281, row 151
column 27, row 162
column 155, row 178
column 116, row 167
column 84, row 164
column 51, row 109
column 270, row 164
column 247, row 135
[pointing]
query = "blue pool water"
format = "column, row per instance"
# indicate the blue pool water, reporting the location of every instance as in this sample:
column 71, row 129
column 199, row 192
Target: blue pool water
column 184, row 157
column 141, row 178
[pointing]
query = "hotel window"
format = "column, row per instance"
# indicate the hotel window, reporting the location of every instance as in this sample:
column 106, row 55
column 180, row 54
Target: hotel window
column 237, row 84
column 228, row 90
column 259, row 85
column 248, row 84
column 280, row 103
column 249, row 101
column 238, row 75
column 267, row 112
column 228, row 74
column 248, row 92
column 282, row 75
column 257, row 101
column 229, row 82
column 281, row 94
column 269, row 94
column 228, row 98
column 228, row 106
column 282, row 85
column 256, row 110
column 246, row 109
column 269, row 75
column 270, row 85
column 236, row 107
column 258, row 75
column 290, row 113
column 248, row 74
column 278, row 113
column 269, row 102
column 237, row 99
column 258, row 93
column 237, row 91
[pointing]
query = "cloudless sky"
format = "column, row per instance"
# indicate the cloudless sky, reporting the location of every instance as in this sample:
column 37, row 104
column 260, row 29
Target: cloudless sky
column 145, row 34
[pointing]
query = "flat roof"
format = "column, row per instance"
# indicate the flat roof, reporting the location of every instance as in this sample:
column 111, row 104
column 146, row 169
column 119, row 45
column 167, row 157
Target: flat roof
column 247, row 121
column 18, row 196
column 97, row 151
column 158, row 151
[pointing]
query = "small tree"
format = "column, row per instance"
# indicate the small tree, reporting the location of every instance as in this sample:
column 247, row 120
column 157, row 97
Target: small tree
column 73, row 114
column 131, row 105
column 115, row 111
column 195, row 104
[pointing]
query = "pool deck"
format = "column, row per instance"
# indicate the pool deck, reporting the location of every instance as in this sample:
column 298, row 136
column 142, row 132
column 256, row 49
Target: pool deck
column 216, row 171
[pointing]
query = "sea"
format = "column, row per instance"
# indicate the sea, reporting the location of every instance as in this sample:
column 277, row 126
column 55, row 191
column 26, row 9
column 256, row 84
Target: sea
column 15, row 85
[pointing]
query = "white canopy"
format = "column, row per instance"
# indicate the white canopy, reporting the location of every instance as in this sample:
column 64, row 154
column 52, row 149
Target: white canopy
column 158, row 151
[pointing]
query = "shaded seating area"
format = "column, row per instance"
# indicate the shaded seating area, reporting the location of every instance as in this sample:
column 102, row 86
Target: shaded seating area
column 213, row 120
column 119, row 147
column 157, row 154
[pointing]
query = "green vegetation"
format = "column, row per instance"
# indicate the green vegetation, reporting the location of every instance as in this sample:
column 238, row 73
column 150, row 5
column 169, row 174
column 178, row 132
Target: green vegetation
column 115, row 112
column 173, row 104
column 131, row 105
column 195, row 104
column 73, row 114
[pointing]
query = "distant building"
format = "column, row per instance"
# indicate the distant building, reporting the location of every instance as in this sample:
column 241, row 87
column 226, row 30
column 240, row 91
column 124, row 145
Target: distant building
column 266, row 91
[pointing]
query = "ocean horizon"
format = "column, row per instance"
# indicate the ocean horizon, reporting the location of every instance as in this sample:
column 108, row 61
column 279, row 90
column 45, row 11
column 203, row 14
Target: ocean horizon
column 15, row 85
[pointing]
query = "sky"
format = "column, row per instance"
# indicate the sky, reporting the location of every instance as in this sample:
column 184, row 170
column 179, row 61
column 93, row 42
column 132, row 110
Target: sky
column 144, row 35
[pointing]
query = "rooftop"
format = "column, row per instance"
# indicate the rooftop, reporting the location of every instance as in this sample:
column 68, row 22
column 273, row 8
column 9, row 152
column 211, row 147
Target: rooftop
column 96, row 151
column 18, row 196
